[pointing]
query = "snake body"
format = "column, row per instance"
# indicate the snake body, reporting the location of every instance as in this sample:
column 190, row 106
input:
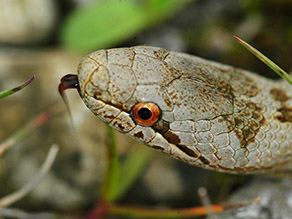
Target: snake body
column 212, row 115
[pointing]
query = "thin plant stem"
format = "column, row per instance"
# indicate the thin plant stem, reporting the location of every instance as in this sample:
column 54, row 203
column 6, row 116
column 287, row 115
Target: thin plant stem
column 129, row 211
column 18, row 88
column 203, row 194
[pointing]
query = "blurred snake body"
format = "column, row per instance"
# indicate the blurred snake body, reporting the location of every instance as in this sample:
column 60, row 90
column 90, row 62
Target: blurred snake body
column 200, row 112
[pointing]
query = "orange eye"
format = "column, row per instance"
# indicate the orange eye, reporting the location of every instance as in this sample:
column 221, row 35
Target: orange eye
column 145, row 113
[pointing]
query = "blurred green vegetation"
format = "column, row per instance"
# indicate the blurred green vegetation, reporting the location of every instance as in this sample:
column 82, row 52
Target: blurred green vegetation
column 264, row 23
column 120, row 176
column 105, row 23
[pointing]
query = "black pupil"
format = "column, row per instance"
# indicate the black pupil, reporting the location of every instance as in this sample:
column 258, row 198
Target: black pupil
column 144, row 113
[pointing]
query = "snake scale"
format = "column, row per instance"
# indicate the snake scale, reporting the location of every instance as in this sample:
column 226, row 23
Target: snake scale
column 200, row 112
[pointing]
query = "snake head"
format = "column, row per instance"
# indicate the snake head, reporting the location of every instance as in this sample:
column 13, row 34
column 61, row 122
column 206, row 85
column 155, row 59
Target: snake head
column 116, row 88
column 125, row 88
column 192, row 109
column 149, row 94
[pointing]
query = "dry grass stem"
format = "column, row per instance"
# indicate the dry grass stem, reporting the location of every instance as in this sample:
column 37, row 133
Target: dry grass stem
column 16, row 213
column 28, row 187
column 31, row 126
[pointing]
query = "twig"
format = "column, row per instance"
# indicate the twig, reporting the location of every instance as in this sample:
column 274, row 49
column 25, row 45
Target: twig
column 28, row 187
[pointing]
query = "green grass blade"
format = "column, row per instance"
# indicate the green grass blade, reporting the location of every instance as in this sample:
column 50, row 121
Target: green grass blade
column 132, row 168
column 110, row 185
column 265, row 60
column 18, row 88
column 121, row 176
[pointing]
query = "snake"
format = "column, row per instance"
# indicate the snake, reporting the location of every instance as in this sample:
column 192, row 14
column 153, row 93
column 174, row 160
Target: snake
column 201, row 112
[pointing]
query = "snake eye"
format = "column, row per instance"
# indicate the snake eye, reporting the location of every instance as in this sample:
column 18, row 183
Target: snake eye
column 145, row 113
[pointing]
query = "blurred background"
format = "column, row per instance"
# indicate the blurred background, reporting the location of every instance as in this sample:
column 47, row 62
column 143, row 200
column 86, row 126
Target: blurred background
column 47, row 38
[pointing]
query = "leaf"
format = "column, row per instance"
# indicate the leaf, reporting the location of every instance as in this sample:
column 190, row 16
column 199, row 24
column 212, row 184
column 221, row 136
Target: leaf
column 105, row 23
column 18, row 88
column 265, row 60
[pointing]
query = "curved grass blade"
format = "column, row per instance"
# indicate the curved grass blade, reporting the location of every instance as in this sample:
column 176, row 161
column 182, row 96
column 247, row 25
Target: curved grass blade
column 18, row 88
column 265, row 60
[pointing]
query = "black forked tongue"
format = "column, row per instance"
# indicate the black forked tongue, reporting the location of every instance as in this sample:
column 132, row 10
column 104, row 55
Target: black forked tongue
column 68, row 82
